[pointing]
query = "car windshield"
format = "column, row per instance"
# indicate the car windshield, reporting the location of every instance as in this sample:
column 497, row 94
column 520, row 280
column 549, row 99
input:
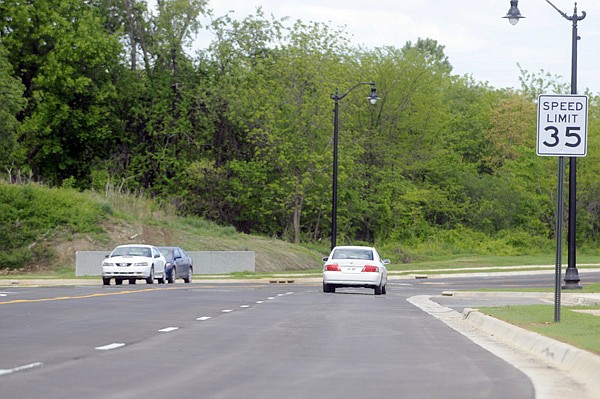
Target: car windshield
column 132, row 251
column 353, row 253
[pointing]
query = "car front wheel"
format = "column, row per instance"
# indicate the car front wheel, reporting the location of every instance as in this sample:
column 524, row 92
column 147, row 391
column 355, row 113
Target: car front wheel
column 150, row 279
column 106, row 281
column 188, row 279
column 173, row 275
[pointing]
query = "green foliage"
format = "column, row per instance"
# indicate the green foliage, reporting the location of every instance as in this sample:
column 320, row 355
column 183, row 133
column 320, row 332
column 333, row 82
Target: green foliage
column 11, row 104
column 32, row 216
column 240, row 133
column 61, row 53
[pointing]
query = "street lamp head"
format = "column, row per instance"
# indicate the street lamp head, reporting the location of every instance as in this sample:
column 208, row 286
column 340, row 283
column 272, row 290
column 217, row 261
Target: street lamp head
column 513, row 14
column 373, row 97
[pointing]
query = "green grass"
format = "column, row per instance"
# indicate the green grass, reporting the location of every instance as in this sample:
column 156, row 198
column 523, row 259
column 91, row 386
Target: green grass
column 577, row 329
column 41, row 223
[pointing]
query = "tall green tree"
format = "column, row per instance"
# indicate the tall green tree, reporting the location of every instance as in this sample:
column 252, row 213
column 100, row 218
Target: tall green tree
column 12, row 103
column 64, row 57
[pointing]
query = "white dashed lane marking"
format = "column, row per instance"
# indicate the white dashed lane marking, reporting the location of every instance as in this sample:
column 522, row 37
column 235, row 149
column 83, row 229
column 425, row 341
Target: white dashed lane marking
column 169, row 329
column 203, row 318
column 110, row 346
column 21, row 368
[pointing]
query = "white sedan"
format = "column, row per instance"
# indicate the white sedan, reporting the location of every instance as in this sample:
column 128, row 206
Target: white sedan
column 134, row 262
column 354, row 266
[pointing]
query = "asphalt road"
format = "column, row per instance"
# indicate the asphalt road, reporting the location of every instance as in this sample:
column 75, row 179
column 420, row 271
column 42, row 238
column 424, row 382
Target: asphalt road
column 244, row 340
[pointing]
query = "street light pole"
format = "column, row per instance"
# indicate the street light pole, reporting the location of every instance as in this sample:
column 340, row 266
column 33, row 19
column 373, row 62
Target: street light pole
column 373, row 97
column 571, row 275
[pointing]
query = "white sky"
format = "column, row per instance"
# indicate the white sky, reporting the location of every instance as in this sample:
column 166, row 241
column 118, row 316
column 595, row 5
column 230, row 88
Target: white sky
column 477, row 40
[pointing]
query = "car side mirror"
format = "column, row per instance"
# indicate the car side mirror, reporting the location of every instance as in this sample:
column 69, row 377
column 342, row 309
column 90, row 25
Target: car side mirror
column 386, row 262
column 325, row 259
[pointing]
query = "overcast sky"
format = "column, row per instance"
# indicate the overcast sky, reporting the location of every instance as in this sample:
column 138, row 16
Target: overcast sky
column 477, row 40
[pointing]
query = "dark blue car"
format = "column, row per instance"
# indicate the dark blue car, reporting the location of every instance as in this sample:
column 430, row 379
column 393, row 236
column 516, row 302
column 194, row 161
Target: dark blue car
column 179, row 264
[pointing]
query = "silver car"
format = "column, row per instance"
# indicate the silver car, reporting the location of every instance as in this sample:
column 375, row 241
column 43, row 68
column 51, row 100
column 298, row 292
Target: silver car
column 134, row 262
column 355, row 266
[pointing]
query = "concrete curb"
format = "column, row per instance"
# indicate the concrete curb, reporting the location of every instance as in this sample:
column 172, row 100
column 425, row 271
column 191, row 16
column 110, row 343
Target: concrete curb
column 566, row 298
column 584, row 366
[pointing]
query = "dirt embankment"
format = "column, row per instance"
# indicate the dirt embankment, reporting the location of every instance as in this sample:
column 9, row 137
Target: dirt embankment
column 271, row 255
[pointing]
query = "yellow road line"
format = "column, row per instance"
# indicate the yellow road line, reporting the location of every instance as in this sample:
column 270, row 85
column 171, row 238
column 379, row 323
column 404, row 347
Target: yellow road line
column 63, row 298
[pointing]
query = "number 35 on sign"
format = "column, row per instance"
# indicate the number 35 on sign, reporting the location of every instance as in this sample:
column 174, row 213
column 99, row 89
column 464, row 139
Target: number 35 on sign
column 562, row 125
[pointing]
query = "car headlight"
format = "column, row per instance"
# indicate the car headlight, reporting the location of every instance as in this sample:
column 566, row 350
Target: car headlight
column 141, row 264
column 107, row 264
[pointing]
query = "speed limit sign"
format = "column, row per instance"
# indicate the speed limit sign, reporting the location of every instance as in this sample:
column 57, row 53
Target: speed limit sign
column 562, row 125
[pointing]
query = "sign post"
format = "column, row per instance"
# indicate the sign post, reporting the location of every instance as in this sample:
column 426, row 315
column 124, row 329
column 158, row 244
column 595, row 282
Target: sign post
column 562, row 131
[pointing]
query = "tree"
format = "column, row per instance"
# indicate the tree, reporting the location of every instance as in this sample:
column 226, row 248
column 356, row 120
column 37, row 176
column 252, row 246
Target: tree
column 65, row 59
column 11, row 104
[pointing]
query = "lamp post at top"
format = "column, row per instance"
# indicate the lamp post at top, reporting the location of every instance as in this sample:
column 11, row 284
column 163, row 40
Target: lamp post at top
column 373, row 97
column 571, row 275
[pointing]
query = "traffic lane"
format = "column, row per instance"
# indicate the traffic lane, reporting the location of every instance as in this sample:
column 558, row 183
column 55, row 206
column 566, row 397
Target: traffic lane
column 438, row 286
column 66, row 323
column 302, row 343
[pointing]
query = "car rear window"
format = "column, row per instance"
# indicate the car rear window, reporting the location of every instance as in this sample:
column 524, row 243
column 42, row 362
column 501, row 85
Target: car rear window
column 364, row 254
column 166, row 251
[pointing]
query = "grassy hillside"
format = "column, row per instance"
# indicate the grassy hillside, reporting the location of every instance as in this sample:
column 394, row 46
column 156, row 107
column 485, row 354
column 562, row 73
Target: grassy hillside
column 44, row 227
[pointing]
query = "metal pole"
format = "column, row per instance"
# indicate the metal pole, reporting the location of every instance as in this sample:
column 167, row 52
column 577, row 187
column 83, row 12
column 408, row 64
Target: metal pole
column 571, row 274
column 373, row 97
column 559, row 229
column 336, row 99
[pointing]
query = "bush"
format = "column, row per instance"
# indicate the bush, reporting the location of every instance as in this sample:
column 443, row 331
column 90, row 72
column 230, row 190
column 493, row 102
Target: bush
column 31, row 215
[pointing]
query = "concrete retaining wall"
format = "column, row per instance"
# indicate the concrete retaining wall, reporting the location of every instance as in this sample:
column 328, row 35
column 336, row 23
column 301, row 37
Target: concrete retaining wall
column 89, row 263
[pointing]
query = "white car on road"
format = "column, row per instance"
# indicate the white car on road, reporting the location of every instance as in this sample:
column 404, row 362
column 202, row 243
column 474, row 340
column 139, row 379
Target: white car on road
column 134, row 262
column 355, row 266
